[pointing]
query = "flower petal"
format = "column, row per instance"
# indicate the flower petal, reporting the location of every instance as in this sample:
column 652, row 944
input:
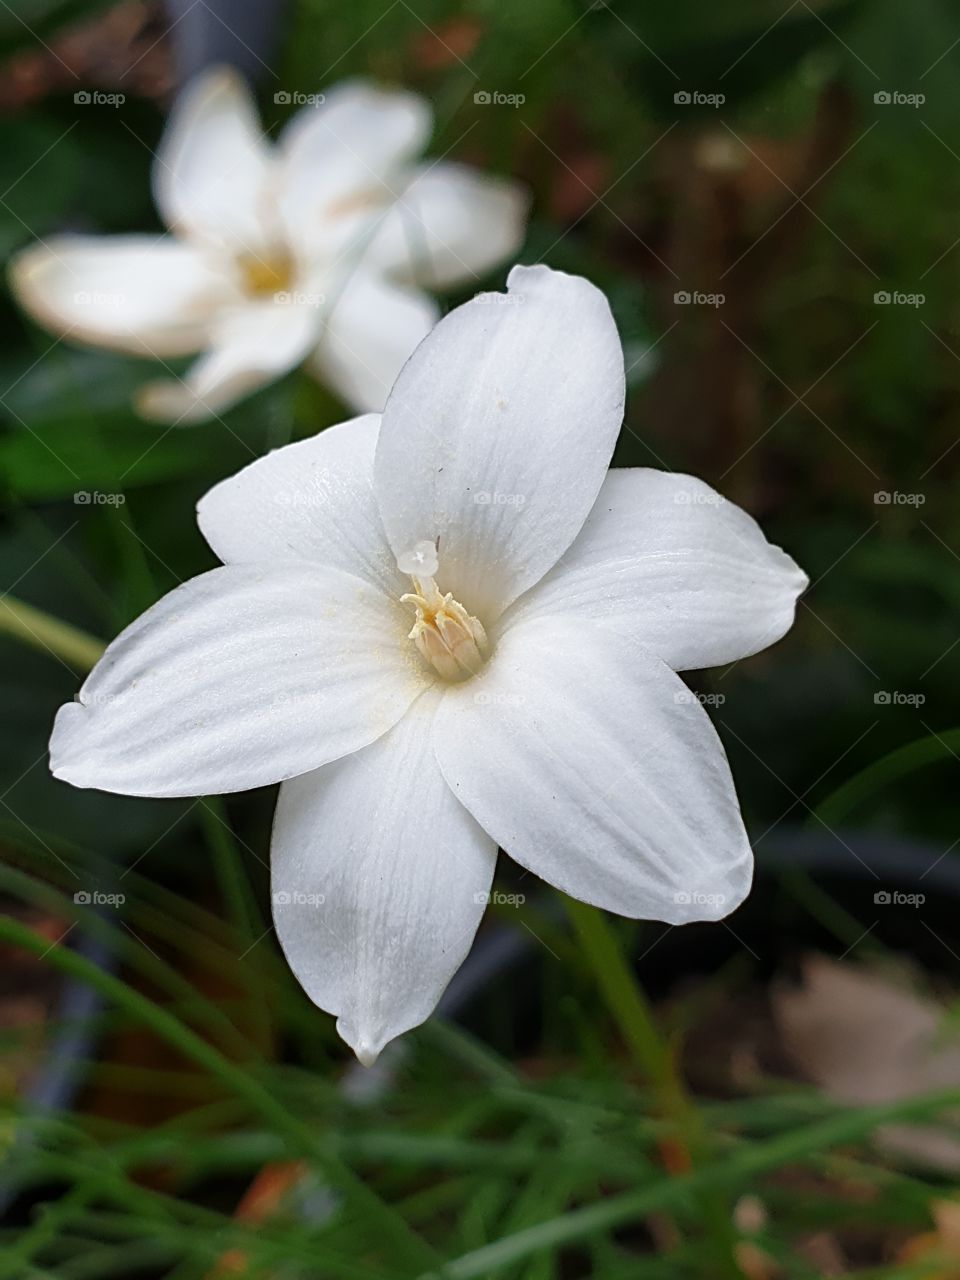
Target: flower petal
column 312, row 500
column 371, row 332
column 665, row 560
column 592, row 765
column 148, row 295
column 340, row 161
column 380, row 878
column 451, row 223
column 498, row 432
column 213, row 168
column 250, row 346
column 244, row 676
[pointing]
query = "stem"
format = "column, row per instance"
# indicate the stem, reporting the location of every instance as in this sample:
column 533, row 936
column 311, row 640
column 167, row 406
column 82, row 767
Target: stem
column 41, row 631
column 631, row 1011
column 241, row 906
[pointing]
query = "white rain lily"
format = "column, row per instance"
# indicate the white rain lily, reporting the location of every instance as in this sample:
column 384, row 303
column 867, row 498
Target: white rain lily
column 317, row 248
column 444, row 632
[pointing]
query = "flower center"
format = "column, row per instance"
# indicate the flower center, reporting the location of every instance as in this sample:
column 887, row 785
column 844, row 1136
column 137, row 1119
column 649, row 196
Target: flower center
column 262, row 276
column 450, row 639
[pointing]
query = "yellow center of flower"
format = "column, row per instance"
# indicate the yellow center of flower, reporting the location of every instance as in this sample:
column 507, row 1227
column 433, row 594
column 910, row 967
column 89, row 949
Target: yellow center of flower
column 262, row 276
column 451, row 640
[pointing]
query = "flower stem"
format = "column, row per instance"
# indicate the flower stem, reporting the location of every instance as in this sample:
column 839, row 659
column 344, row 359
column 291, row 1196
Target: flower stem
column 630, row 1010
column 38, row 629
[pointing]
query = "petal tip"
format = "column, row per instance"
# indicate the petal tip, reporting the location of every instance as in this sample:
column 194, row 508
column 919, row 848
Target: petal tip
column 366, row 1055
column 709, row 904
column 366, row 1046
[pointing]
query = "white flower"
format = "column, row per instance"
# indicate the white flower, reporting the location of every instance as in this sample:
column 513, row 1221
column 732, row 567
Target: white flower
column 314, row 249
column 434, row 668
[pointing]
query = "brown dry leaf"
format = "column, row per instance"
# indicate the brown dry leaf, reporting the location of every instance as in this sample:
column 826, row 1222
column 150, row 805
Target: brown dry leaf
column 446, row 45
column 123, row 48
column 822, row 1250
column 943, row 1243
column 864, row 1039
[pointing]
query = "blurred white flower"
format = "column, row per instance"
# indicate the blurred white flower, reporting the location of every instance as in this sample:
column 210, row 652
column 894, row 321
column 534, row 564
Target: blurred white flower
column 317, row 249
column 533, row 705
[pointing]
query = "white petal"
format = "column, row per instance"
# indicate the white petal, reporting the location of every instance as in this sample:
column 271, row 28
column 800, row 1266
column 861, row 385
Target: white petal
column 244, row 676
column 213, row 169
column 148, row 295
column 497, row 435
column 312, row 500
column 592, row 765
column 342, row 161
column 380, row 878
column 666, row 560
column 371, row 332
column 451, row 223
column 251, row 344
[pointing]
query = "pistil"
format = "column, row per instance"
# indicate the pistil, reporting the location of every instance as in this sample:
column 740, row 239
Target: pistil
column 452, row 640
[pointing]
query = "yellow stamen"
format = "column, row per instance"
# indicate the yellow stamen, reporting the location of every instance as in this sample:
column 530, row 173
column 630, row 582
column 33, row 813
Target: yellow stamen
column 271, row 273
column 450, row 639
